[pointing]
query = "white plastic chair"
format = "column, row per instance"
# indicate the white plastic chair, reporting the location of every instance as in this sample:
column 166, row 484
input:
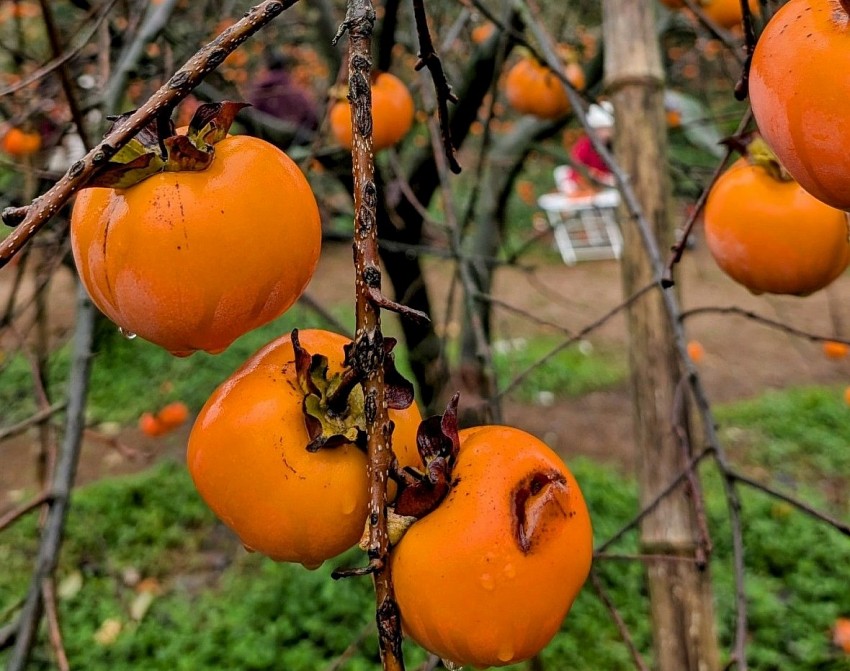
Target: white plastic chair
column 585, row 226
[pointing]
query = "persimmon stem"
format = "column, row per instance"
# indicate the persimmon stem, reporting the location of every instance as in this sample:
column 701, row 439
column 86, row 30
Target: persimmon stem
column 338, row 400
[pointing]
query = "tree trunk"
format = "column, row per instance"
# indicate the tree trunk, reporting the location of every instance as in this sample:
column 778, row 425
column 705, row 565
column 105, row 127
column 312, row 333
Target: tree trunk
column 680, row 592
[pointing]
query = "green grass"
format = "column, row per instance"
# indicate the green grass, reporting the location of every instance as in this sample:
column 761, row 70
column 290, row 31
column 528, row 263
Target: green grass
column 571, row 372
column 256, row 614
column 132, row 376
column 799, row 436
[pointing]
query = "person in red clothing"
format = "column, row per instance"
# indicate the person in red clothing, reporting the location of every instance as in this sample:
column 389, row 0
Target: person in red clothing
column 601, row 119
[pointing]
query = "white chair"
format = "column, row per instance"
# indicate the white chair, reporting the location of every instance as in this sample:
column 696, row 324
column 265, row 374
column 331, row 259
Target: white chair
column 585, row 227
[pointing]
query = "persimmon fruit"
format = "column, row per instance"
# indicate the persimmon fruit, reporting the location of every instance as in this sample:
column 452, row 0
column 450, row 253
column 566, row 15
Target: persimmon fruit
column 191, row 260
column 482, row 32
column 173, row 414
column 532, row 88
column 727, row 13
column 150, row 425
column 487, row 578
column 798, row 102
column 772, row 236
column 835, row 350
column 392, row 113
column 696, row 351
column 18, row 142
column 248, row 458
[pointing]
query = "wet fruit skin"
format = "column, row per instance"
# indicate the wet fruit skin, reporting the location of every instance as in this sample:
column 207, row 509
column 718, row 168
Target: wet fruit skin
column 798, row 101
column 193, row 260
column 392, row 113
column 772, row 236
column 472, row 586
column 532, row 88
column 248, row 460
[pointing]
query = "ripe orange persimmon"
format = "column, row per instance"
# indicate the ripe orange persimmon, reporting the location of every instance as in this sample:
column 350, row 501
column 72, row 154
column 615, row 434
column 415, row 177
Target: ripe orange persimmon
column 797, row 99
column 248, row 458
column 192, row 260
column 835, row 350
column 771, row 235
column 392, row 113
column 487, row 578
column 532, row 88
column 482, row 32
column 150, row 425
column 727, row 13
column 696, row 351
column 173, row 415
column 18, row 142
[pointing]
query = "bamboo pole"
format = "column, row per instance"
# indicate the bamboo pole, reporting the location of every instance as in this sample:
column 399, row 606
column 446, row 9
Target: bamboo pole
column 680, row 592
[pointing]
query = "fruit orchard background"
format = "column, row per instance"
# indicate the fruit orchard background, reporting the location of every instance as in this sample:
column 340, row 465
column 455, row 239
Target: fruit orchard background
column 782, row 414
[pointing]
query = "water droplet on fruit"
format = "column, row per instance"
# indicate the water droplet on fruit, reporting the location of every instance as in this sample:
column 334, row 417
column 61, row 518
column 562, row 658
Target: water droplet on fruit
column 127, row 334
column 248, row 548
column 312, row 566
column 509, row 571
column 487, row 582
column 505, row 652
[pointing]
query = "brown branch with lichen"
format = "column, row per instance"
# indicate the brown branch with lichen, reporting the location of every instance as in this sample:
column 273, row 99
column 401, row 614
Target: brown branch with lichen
column 367, row 354
column 30, row 219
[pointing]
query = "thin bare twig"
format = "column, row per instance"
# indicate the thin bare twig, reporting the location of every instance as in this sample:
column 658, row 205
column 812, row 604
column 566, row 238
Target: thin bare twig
column 37, row 418
column 742, row 88
column 51, row 612
column 352, row 648
column 649, row 507
column 64, row 58
column 618, row 621
column 723, row 35
column 18, row 512
column 667, row 279
column 429, row 58
column 760, row 319
column 834, row 522
column 51, row 539
column 580, row 335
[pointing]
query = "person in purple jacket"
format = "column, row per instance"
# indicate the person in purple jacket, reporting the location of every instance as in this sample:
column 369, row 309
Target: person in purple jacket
column 278, row 94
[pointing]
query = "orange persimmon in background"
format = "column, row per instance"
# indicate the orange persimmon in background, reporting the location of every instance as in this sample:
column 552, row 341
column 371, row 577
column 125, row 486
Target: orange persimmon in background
column 392, row 113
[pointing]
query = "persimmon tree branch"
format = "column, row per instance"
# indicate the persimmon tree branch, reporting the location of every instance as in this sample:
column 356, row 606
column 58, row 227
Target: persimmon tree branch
column 760, row 319
column 742, row 88
column 60, row 60
column 368, row 351
column 667, row 279
column 54, row 526
column 577, row 337
column 429, row 58
column 723, row 35
column 30, row 219
column 620, row 623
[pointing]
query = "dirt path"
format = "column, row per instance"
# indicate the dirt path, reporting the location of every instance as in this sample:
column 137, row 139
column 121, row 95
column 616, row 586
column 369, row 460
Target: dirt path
column 742, row 358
